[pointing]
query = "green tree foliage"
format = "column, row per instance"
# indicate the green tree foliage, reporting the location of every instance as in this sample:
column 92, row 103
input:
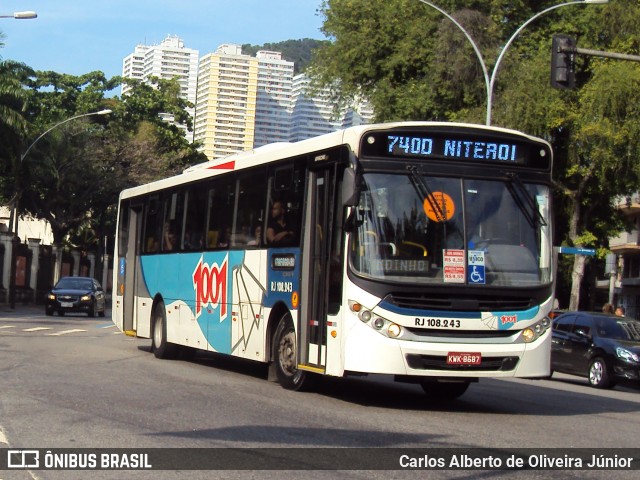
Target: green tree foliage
column 414, row 64
column 73, row 175
column 13, row 124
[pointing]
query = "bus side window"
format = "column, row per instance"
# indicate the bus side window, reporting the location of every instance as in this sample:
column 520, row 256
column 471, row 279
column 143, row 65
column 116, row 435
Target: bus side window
column 250, row 213
column 286, row 193
column 220, row 211
column 195, row 216
column 173, row 221
column 152, row 226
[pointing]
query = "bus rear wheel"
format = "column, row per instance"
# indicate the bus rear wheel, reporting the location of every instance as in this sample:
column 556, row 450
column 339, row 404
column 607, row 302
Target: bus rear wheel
column 159, row 344
column 444, row 390
column 286, row 357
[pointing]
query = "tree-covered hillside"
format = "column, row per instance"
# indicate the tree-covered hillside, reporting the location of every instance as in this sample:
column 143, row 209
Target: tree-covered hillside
column 297, row 51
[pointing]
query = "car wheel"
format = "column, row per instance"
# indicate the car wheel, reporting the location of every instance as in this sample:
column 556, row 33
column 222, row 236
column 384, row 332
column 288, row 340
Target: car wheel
column 92, row 309
column 161, row 347
column 48, row 312
column 286, row 357
column 599, row 374
column 104, row 309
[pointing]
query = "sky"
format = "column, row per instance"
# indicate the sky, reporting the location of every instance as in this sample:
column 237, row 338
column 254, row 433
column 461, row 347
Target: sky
column 81, row 36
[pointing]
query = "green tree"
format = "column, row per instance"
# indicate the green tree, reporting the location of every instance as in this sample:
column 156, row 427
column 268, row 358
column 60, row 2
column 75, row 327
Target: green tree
column 415, row 64
column 73, row 176
column 13, row 123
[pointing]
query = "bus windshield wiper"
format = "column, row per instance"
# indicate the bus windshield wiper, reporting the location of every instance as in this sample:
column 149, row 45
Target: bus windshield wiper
column 525, row 201
column 423, row 191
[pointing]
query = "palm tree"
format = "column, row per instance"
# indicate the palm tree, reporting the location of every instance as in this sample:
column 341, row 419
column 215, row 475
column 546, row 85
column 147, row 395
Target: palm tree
column 13, row 124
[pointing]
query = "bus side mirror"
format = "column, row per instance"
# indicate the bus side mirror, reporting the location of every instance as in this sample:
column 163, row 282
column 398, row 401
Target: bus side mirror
column 349, row 192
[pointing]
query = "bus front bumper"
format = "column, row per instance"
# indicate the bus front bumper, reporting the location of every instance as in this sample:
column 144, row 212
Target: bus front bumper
column 367, row 351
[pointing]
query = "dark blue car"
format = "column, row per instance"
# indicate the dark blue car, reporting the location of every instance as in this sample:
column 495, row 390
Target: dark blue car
column 76, row 294
column 604, row 348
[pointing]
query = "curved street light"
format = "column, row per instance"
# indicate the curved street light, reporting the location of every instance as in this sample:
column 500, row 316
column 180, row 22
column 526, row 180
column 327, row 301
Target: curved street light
column 13, row 219
column 27, row 15
column 490, row 81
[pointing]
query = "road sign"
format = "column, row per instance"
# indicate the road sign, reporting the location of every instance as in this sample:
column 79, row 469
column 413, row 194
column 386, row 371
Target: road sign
column 578, row 251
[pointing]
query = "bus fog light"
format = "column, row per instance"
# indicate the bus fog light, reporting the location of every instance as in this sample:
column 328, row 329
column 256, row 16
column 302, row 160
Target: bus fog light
column 394, row 330
column 528, row 335
column 378, row 323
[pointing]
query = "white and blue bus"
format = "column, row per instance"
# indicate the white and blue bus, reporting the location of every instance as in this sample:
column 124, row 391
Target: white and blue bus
column 419, row 250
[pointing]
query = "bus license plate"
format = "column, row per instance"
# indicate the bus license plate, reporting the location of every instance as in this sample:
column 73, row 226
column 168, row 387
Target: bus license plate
column 464, row 358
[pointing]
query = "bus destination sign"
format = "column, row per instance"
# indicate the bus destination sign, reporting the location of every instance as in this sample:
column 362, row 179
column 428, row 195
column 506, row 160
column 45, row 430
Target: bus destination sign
column 451, row 145
column 451, row 148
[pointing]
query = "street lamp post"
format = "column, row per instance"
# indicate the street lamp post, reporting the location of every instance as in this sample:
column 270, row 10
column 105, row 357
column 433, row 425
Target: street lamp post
column 490, row 80
column 13, row 219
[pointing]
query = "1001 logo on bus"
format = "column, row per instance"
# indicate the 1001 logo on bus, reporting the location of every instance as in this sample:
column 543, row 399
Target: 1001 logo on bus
column 210, row 285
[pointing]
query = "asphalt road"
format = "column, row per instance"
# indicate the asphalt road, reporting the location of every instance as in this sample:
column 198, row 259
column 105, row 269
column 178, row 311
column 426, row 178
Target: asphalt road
column 74, row 382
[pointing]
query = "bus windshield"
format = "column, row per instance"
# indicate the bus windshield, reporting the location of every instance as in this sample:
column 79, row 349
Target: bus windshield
column 419, row 229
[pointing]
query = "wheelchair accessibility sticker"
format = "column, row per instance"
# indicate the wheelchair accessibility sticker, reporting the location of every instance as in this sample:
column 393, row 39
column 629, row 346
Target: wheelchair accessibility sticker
column 475, row 270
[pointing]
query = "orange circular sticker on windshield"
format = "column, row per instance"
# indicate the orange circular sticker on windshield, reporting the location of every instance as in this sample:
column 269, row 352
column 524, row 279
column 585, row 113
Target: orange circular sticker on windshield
column 294, row 299
column 439, row 207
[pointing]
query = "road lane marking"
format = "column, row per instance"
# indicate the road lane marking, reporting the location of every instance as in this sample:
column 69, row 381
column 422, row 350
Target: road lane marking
column 65, row 332
column 7, row 326
column 36, row 329
column 107, row 325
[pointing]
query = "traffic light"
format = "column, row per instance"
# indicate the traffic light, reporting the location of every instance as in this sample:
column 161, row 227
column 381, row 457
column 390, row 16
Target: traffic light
column 563, row 49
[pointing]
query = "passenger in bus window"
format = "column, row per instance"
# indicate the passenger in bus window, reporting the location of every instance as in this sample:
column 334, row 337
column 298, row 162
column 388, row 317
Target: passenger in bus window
column 224, row 240
column 169, row 237
column 193, row 241
column 256, row 241
column 279, row 233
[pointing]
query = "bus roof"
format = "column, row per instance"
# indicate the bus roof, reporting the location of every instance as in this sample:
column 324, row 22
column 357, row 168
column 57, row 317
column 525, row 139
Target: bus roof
column 282, row 150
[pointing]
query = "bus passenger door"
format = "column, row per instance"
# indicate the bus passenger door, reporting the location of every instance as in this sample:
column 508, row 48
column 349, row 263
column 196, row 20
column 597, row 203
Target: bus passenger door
column 127, row 267
column 315, row 269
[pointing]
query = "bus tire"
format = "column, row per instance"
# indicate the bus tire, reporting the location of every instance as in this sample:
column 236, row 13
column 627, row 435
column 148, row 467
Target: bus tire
column 159, row 344
column 285, row 356
column 444, row 390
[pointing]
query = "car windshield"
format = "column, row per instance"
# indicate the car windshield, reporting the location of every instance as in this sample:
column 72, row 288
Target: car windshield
column 74, row 284
column 416, row 228
column 619, row 329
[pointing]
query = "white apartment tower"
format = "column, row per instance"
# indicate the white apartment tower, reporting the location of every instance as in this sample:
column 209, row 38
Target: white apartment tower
column 273, row 105
column 166, row 61
column 225, row 113
column 313, row 115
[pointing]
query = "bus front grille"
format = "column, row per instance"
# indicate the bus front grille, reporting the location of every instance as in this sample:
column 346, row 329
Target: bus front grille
column 460, row 302
column 436, row 362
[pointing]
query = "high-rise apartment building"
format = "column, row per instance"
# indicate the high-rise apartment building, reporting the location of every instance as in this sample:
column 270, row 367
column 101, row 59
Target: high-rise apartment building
column 225, row 110
column 241, row 102
column 274, row 99
column 171, row 59
column 314, row 114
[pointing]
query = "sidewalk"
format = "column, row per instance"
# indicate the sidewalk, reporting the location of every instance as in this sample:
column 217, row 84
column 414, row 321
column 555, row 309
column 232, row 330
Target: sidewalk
column 6, row 311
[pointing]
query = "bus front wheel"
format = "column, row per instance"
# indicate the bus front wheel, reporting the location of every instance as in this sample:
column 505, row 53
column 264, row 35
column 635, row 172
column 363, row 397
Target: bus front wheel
column 285, row 356
column 161, row 347
column 444, row 390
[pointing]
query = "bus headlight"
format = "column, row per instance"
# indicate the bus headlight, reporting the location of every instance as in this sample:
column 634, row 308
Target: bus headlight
column 380, row 324
column 535, row 331
column 394, row 330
